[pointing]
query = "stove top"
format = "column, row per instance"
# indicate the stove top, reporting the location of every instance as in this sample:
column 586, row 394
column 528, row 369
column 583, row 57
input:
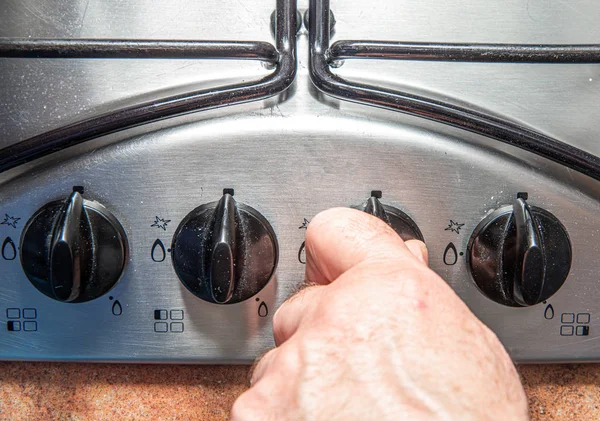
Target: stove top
column 156, row 188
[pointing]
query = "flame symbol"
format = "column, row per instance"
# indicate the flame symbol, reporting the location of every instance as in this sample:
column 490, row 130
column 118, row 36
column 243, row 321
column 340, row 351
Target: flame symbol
column 158, row 253
column 450, row 255
column 117, row 310
column 263, row 311
column 9, row 251
column 549, row 312
column 302, row 253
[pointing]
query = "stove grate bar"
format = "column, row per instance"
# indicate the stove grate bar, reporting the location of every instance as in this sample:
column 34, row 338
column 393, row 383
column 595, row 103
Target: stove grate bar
column 323, row 56
column 137, row 49
column 477, row 53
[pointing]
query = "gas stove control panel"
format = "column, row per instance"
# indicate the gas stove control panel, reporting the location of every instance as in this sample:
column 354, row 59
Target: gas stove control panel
column 174, row 247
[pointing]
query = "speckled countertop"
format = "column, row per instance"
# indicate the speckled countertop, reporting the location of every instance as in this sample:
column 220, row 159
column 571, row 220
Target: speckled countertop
column 54, row 391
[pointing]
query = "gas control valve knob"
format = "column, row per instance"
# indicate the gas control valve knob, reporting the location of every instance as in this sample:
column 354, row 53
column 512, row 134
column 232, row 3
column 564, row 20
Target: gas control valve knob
column 519, row 255
column 406, row 228
column 224, row 252
column 74, row 250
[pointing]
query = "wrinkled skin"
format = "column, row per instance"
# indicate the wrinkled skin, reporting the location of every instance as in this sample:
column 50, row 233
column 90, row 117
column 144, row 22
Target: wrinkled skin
column 378, row 336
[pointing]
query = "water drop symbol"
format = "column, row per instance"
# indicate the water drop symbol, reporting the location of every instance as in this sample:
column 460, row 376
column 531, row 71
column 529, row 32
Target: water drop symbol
column 9, row 251
column 302, row 253
column 549, row 312
column 158, row 253
column 117, row 310
column 263, row 311
column 450, row 254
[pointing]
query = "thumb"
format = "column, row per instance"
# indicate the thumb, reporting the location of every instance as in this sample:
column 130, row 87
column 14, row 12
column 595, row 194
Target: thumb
column 341, row 238
column 418, row 249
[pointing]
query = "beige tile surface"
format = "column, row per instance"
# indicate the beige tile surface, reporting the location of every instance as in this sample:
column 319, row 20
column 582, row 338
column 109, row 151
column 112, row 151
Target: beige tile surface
column 54, row 391
column 563, row 392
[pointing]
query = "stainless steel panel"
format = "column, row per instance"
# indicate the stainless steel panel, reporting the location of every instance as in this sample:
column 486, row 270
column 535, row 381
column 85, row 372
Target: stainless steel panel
column 289, row 169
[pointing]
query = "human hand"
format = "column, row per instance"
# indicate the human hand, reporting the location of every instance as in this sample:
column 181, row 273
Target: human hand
column 379, row 336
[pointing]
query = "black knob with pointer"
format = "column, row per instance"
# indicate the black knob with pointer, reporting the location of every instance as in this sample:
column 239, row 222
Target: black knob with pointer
column 74, row 250
column 406, row 228
column 519, row 255
column 224, row 252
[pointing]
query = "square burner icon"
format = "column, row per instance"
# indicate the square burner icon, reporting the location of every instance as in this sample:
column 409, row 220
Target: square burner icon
column 567, row 318
column 566, row 330
column 582, row 330
column 16, row 323
column 160, row 314
column 13, row 326
column 583, row 318
column 176, row 314
column 167, row 314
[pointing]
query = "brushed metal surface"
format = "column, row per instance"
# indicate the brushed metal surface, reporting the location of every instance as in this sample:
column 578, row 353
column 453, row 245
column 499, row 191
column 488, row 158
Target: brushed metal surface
column 39, row 95
column 285, row 27
column 290, row 158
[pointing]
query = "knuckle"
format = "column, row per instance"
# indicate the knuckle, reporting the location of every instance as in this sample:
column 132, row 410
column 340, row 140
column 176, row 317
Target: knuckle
column 242, row 409
column 304, row 289
column 337, row 312
column 287, row 362
column 283, row 320
column 279, row 324
column 266, row 401
column 261, row 365
column 413, row 283
column 373, row 292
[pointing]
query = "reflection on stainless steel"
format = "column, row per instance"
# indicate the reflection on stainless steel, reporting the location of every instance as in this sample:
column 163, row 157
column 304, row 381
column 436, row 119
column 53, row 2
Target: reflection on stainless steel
column 138, row 49
column 477, row 121
column 157, row 109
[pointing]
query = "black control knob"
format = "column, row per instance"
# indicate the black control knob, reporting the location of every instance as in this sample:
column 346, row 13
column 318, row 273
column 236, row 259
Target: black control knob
column 394, row 217
column 224, row 252
column 519, row 255
column 74, row 250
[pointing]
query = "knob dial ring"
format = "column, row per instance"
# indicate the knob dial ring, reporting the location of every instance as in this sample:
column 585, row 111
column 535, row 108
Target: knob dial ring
column 193, row 256
column 105, row 265
column 403, row 224
column 494, row 239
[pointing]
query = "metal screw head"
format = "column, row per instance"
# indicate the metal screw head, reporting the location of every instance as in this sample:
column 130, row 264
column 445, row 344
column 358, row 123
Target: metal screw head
column 331, row 21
